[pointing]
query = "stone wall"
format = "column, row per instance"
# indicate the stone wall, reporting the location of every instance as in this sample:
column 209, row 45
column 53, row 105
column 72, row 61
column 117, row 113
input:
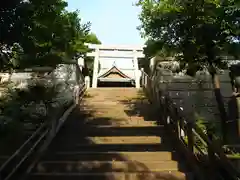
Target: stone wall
column 66, row 76
column 194, row 94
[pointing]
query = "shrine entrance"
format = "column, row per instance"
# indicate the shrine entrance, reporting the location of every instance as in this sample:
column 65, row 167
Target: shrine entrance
column 115, row 84
column 116, row 66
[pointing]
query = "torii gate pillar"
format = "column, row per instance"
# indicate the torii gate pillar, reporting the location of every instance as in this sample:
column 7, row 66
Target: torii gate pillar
column 137, row 75
column 95, row 68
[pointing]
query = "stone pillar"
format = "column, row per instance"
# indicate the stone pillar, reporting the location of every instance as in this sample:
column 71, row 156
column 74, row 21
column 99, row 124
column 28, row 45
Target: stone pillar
column 151, row 65
column 135, row 61
column 81, row 63
column 76, row 94
column 87, row 82
column 95, row 68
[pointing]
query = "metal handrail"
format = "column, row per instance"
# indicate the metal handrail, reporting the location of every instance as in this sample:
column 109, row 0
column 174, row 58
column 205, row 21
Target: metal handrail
column 22, row 146
column 198, row 132
column 27, row 155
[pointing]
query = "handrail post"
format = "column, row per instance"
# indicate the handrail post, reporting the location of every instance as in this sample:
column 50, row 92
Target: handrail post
column 142, row 78
column 178, row 127
column 53, row 122
column 165, row 110
column 190, row 136
column 76, row 94
column 211, row 155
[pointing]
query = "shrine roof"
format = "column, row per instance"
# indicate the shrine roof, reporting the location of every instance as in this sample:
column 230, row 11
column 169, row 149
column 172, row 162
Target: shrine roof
column 114, row 69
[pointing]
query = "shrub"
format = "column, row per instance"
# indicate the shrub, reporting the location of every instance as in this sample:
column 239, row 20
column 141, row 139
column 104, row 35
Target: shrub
column 29, row 106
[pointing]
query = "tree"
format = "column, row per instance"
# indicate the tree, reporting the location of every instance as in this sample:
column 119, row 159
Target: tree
column 9, row 17
column 92, row 38
column 10, row 21
column 55, row 35
column 155, row 49
column 200, row 32
column 46, row 33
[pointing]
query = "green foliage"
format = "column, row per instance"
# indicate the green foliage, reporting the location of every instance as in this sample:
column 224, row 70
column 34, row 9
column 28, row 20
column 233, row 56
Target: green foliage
column 158, row 48
column 92, row 38
column 37, row 33
column 206, row 127
column 33, row 104
column 46, row 34
column 198, row 32
column 23, row 110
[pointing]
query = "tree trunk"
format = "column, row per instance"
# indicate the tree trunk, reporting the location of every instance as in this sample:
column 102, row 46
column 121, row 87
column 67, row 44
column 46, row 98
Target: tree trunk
column 220, row 104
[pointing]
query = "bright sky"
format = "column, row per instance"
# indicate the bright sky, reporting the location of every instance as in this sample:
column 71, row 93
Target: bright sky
column 113, row 21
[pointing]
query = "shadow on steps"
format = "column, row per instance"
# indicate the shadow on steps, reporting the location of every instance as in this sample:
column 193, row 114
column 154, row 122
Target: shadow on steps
column 73, row 155
column 140, row 106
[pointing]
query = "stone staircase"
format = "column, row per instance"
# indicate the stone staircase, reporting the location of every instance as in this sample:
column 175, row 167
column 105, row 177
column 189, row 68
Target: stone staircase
column 111, row 136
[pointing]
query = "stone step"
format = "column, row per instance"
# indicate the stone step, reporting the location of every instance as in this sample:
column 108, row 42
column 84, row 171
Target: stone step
column 78, row 141
column 112, row 90
column 174, row 175
column 110, row 147
column 125, row 130
column 111, row 156
column 104, row 166
column 112, row 140
column 123, row 122
column 126, row 140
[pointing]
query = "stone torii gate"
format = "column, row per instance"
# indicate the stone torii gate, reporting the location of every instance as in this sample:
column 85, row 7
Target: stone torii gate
column 116, row 59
